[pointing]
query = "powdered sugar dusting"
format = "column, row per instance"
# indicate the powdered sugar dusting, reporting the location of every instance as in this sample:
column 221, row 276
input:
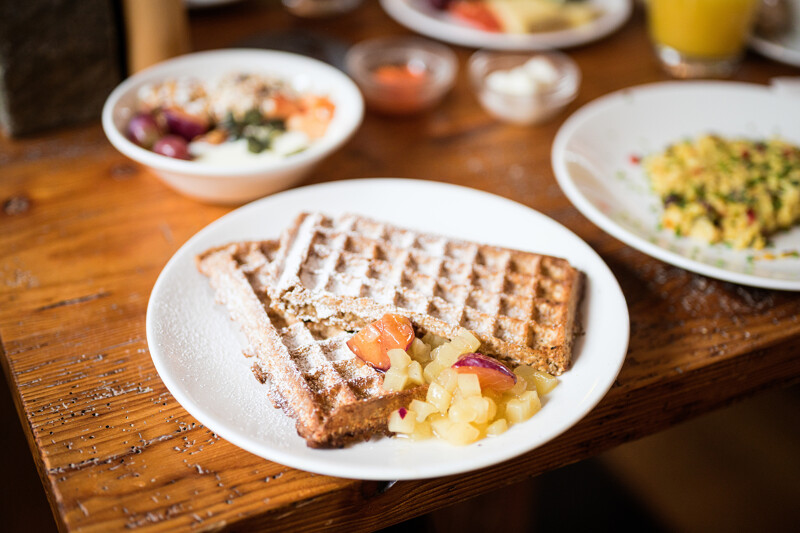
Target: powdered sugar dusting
column 338, row 266
column 205, row 350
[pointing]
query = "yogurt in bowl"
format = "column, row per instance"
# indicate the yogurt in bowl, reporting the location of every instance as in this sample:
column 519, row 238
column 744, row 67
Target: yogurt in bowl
column 229, row 126
column 526, row 89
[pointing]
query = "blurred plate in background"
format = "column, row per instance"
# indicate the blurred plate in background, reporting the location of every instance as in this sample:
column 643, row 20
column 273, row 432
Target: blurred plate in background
column 784, row 46
column 419, row 16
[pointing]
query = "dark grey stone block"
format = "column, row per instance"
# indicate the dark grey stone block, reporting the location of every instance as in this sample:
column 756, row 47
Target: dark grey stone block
column 59, row 60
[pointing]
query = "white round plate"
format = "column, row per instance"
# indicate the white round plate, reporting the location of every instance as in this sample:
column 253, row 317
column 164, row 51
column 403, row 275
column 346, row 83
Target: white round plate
column 785, row 47
column 197, row 350
column 417, row 15
column 592, row 159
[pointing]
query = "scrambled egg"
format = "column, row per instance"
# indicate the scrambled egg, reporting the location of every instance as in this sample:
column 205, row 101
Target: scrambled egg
column 735, row 192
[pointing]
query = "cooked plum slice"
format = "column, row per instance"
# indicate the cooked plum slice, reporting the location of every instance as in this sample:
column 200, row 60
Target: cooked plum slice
column 491, row 373
column 373, row 342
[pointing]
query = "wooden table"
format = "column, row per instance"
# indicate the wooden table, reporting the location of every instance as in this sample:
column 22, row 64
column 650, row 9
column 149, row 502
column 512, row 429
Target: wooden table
column 85, row 233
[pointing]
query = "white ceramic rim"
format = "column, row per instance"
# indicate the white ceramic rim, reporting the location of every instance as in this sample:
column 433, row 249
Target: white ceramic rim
column 316, row 151
column 776, row 51
column 409, row 16
column 585, row 206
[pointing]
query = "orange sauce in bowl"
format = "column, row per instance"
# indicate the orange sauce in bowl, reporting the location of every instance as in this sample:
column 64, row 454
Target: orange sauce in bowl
column 401, row 88
column 399, row 75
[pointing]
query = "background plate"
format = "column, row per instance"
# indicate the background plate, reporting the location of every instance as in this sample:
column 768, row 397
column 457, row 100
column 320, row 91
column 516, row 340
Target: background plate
column 785, row 47
column 592, row 152
column 418, row 16
column 197, row 349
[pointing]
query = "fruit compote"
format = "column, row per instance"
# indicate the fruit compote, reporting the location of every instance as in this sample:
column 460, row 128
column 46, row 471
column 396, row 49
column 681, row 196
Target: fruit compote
column 470, row 395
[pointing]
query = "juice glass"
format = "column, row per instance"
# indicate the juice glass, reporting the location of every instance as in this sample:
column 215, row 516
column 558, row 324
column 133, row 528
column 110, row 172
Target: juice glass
column 700, row 38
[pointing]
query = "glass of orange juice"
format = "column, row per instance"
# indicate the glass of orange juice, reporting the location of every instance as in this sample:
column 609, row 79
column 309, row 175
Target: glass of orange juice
column 700, row 38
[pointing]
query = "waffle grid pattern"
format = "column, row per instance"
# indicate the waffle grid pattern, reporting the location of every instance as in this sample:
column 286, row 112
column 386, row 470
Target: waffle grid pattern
column 515, row 296
column 329, row 368
column 332, row 372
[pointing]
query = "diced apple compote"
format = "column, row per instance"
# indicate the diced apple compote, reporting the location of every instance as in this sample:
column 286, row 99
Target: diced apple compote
column 432, row 371
column 466, row 342
column 440, row 424
column 544, row 382
column 462, row 411
column 470, row 396
column 395, row 380
column 541, row 381
column 439, row 397
column 402, row 421
column 485, row 407
column 445, row 355
column 399, row 358
column 497, row 427
column 460, row 433
column 468, row 385
column 522, row 408
column 519, row 387
column 448, row 378
column 415, row 373
column 478, row 409
column 419, row 351
column 423, row 409
column 449, row 352
column 433, row 341
column 421, row 432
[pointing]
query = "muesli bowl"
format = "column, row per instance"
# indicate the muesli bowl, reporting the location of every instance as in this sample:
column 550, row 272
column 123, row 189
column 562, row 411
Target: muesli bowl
column 240, row 179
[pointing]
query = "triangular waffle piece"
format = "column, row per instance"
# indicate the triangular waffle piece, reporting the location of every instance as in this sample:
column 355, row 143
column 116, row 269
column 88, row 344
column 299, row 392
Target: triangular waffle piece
column 349, row 271
column 334, row 397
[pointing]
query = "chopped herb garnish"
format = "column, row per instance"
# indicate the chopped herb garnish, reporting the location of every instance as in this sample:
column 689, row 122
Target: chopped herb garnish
column 727, row 183
column 674, row 198
column 255, row 146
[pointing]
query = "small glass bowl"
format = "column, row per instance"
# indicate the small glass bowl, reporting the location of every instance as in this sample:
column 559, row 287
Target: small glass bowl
column 527, row 109
column 320, row 8
column 436, row 62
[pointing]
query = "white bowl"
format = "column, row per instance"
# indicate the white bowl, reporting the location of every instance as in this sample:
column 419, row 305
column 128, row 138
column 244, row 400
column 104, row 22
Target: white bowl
column 237, row 184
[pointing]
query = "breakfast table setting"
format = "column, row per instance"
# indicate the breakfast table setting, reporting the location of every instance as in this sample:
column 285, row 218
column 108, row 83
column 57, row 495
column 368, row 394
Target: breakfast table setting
column 123, row 239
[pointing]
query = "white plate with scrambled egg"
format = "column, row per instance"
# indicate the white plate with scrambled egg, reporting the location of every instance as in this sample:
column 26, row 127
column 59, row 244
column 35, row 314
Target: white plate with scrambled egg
column 604, row 154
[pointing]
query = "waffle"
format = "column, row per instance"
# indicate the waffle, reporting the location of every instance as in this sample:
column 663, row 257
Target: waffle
column 349, row 271
column 334, row 397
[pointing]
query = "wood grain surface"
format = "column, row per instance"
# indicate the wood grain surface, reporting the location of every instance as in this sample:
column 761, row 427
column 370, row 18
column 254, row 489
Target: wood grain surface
column 84, row 233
